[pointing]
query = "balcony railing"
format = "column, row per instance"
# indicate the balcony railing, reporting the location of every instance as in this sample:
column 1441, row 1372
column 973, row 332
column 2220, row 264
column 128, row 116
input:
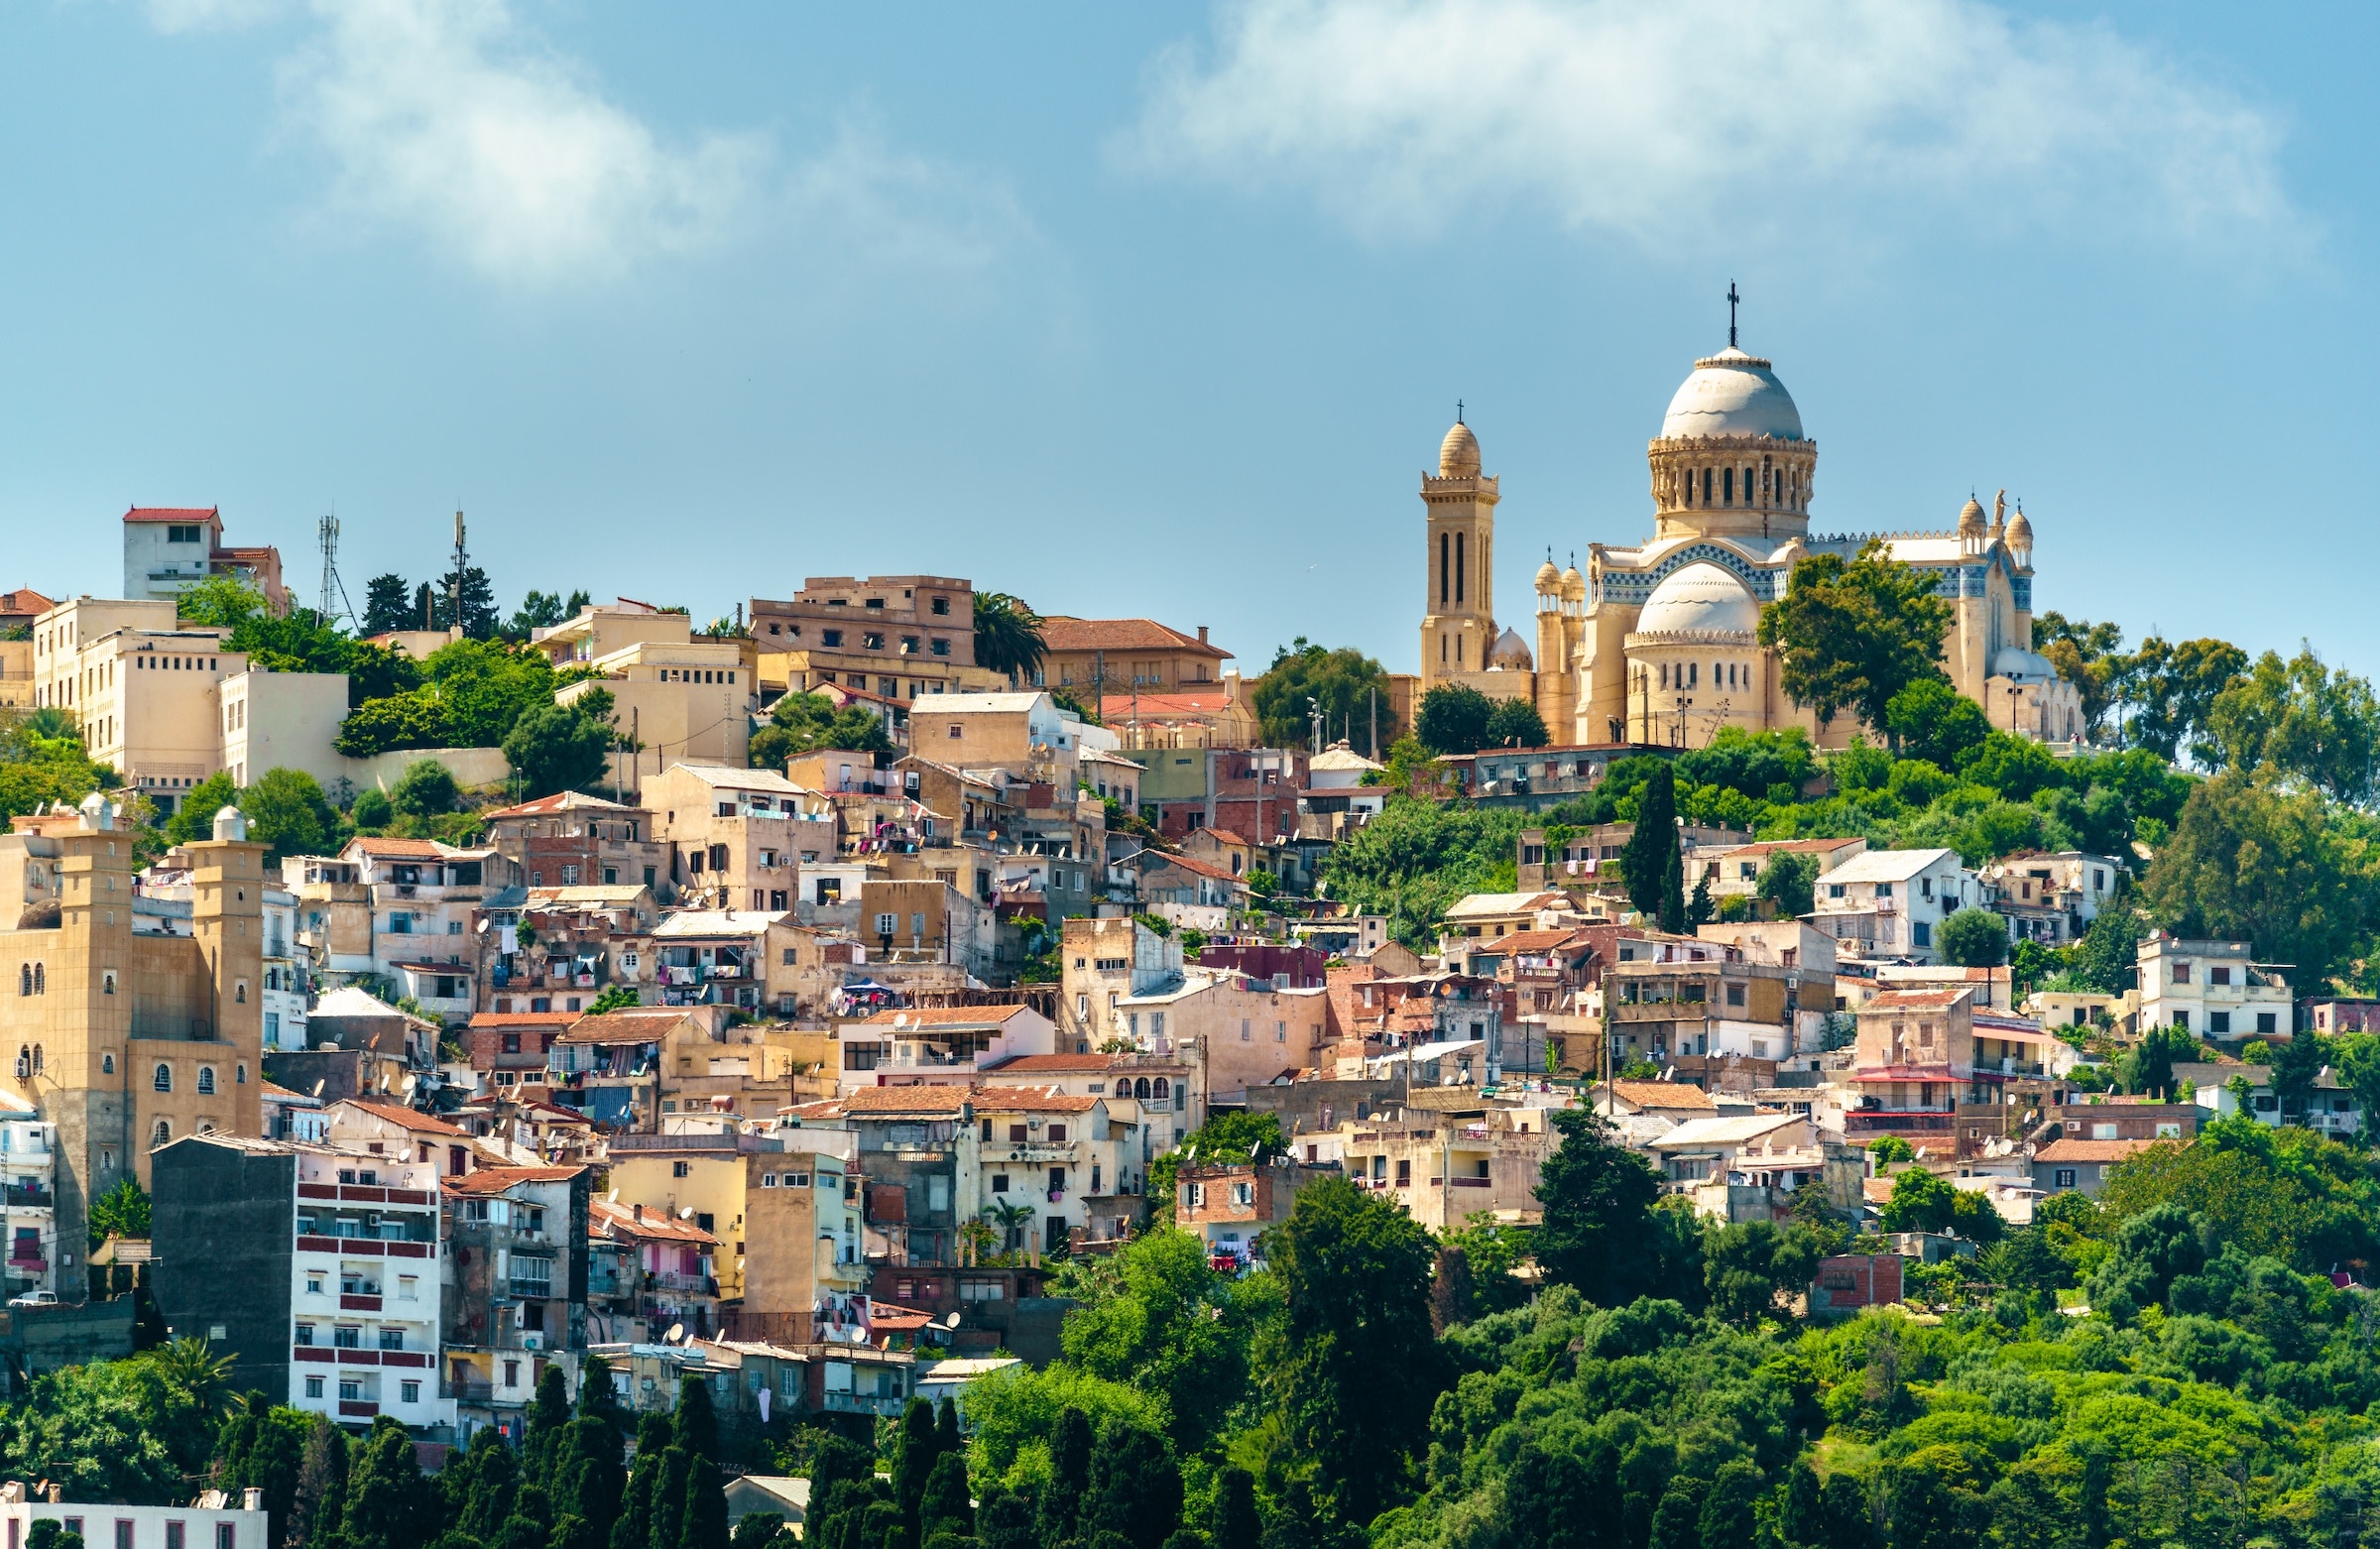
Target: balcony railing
column 533, row 1291
column 865, row 1403
column 28, row 1199
column 470, row 1390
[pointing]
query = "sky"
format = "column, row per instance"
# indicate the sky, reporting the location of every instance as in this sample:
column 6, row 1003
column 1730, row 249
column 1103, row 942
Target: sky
column 1162, row 309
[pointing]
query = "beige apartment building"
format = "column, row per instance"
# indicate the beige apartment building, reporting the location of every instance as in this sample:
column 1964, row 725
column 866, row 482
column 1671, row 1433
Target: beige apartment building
column 736, row 836
column 683, row 699
column 900, row 637
column 143, row 688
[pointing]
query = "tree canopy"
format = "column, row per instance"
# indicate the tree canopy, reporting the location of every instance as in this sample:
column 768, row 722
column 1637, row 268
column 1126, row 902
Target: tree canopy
column 1349, row 687
column 1853, row 634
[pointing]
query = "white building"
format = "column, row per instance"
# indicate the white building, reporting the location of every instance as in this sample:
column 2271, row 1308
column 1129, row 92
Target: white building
column 211, row 1521
column 282, row 721
column 1890, row 903
column 2331, row 1109
column 28, row 1166
column 2210, row 990
column 284, row 993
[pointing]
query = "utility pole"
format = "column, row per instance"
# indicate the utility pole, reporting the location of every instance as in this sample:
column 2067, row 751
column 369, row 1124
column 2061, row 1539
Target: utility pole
column 1372, row 738
column 327, row 528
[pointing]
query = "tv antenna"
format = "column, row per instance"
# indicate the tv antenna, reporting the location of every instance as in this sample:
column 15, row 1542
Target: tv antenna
column 332, row 588
column 462, row 560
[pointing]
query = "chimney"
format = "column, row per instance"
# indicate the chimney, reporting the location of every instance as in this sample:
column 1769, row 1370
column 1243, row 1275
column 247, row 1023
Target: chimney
column 252, row 1499
column 639, row 1212
column 1202, row 634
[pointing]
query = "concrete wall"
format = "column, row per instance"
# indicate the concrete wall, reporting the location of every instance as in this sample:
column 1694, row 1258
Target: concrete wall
column 469, row 766
column 284, row 721
column 214, row 1207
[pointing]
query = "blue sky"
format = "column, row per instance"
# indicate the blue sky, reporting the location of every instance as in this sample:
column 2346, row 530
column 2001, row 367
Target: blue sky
column 1162, row 309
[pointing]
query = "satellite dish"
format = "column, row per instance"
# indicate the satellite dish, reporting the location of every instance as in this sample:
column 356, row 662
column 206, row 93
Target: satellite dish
column 685, row 1213
column 951, row 1322
column 612, row 1198
column 677, row 1333
column 411, row 1082
column 320, row 1085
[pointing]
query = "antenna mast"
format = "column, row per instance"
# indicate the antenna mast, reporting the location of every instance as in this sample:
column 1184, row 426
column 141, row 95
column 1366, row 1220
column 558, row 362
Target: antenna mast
column 454, row 589
column 327, row 528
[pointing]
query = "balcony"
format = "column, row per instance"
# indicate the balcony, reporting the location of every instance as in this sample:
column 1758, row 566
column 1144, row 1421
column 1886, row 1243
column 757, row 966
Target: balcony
column 888, row 1404
column 31, row 1266
column 358, row 1409
column 19, row 1198
column 359, row 1301
column 471, row 1390
column 533, row 1290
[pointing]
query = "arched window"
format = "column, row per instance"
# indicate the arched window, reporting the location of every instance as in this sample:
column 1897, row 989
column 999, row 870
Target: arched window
column 41, row 980
column 1694, row 674
column 24, row 979
column 107, row 982
column 1163, row 1088
column 163, row 1079
column 162, row 1133
column 1459, row 566
column 1446, row 577
column 1727, row 481
column 207, row 1080
column 1141, row 1087
column 1706, row 486
column 107, row 1064
column 239, row 994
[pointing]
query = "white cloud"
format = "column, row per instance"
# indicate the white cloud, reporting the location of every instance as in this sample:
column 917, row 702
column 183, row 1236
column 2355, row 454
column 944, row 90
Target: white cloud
column 1668, row 123
column 445, row 117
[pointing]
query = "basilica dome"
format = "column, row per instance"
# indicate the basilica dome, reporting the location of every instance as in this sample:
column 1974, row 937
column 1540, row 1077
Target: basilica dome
column 1511, row 654
column 1732, row 393
column 1700, row 598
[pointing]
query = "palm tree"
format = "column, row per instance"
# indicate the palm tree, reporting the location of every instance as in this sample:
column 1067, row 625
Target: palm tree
column 1012, row 1221
column 1008, row 636
column 193, row 1366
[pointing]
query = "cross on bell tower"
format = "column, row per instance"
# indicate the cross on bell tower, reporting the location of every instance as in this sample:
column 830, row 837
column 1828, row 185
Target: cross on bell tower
column 1732, row 298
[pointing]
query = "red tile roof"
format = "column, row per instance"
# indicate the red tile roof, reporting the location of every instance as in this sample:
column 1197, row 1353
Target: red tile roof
column 1227, row 837
column 653, row 1223
column 1063, row 632
column 495, row 1180
column 1057, row 1065
column 624, row 1027
column 1157, row 707
column 173, row 513
column 2094, row 1150
column 1029, row 1100
column 904, row 1100
column 1195, row 866
column 525, row 1018
column 946, row 1015
column 406, row 1118
column 1916, row 999
column 1676, row 1095
column 402, row 849
column 567, row 800
column 23, row 602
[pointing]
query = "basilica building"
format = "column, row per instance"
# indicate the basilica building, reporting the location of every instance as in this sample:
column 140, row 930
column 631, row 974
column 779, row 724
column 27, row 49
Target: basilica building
column 1657, row 643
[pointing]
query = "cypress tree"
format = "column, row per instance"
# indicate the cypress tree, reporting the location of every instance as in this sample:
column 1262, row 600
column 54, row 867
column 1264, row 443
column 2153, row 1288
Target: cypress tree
column 1673, row 889
column 389, row 1503
column 633, row 1529
column 1653, row 842
column 946, row 1426
column 491, row 1480
column 946, row 1507
column 548, row 1412
column 1069, row 1477
column 697, row 1425
column 1136, row 1489
column 670, row 1489
column 913, row 1457
column 321, row 1486
column 1232, row 1521
column 704, row 1525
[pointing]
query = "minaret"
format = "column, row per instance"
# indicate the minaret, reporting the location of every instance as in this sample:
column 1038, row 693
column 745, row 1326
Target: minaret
column 227, row 920
column 75, row 1074
column 1458, row 614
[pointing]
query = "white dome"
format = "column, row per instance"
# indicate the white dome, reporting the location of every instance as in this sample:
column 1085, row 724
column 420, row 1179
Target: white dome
column 1732, row 393
column 1700, row 597
column 1511, row 654
column 2017, row 663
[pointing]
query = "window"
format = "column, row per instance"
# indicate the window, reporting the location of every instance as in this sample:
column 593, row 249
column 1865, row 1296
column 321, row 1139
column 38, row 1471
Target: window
column 2265, row 1022
column 2219, row 1023
column 107, row 1064
column 306, row 1331
column 1000, row 1183
column 392, row 1339
column 956, row 730
column 2180, row 973
column 2219, row 976
column 1922, row 933
column 677, row 1169
column 313, row 1387
column 2063, row 1178
column 163, row 1134
column 347, row 1336
column 163, row 1078
column 1057, row 1135
column 225, row 1537
column 2182, row 1020
column 207, row 1080
column 410, row 1392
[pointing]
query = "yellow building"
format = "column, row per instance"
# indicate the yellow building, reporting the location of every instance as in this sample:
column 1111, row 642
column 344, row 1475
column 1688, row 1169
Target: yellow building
column 682, row 699
column 1657, row 642
column 126, row 1041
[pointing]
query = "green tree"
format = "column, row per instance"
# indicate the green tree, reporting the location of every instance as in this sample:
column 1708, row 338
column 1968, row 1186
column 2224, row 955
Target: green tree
column 1790, row 880
column 1932, row 721
column 1232, row 1520
column 108, row 1430
column 1133, row 1497
column 945, row 1510
column 2250, row 861
column 388, row 606
column 389, row 1503
column 1349, row 687
column 554, row 748
column 1973, row 938
column 2106, row 960
column 802, row 723
column 1359, row 1369
column 1750, row 1267
column 425, row 789
column 287, row 810
column 1008, row 636
column 1515, row 723
column 479, row 613
column 121, row 1210
column 1853, row 634
column 538, row 611
column 2148, row 1066
column 1453, row 718
column 372, row 809
column 1598, row 1199
column 1171, row 1327
column 1651, row 853
column 2170, row 690
column 2298, row 718
column 195, row 818
column 2088, row 655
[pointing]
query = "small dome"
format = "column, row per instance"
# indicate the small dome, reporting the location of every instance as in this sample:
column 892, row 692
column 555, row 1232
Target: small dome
column 1511, row 654
column 1971, row 519
column 2020, row 531
column 1732, row 393
column 232, row 824
column 2017, row 663
column 1459, row 454
column 1700, row 598
column 1548, row 578
column 1574, row 585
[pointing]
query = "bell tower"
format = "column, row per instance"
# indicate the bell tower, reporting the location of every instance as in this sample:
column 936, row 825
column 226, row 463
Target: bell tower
column 1457, row 624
